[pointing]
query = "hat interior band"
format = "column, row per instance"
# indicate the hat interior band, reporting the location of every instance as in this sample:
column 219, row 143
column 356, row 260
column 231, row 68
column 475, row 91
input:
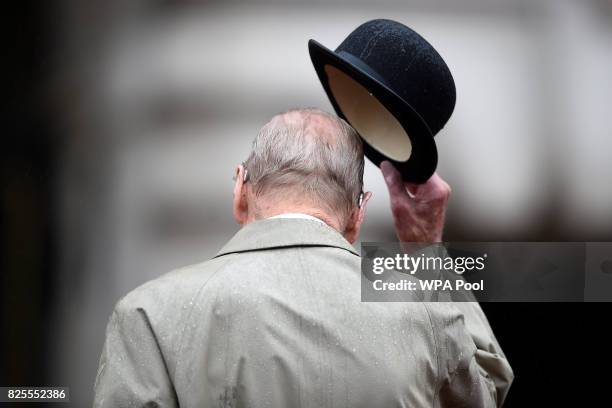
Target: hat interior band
column 368, row 116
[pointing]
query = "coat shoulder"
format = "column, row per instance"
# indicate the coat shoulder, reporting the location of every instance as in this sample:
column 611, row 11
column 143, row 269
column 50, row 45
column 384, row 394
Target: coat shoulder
column 172, row 289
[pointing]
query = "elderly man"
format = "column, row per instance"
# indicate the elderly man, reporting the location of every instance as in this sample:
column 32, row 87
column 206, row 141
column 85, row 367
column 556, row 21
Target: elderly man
column 275, row 318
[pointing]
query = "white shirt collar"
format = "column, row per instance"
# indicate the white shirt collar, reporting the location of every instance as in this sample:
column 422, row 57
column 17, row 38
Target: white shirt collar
column 299, row 215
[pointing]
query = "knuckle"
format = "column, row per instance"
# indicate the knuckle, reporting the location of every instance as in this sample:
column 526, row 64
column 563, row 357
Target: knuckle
column 444, row 191
column 449, row 190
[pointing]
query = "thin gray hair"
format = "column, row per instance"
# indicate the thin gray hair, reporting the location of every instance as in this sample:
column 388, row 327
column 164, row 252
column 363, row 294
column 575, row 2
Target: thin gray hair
column 295, row 153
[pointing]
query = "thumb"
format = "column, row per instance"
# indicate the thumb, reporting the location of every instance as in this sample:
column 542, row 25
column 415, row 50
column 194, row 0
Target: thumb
column 393, row 179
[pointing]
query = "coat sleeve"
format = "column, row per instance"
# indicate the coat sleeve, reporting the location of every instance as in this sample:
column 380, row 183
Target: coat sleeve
column 463, row 380
column 132, row 371
column 488, row 356
column 468, row 332
column 473, row 371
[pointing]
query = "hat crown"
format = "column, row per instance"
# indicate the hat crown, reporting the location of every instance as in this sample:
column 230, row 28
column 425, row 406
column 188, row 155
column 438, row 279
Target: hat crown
column 408, row 65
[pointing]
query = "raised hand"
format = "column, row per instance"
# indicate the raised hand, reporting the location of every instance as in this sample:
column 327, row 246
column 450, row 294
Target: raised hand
column 418, row 209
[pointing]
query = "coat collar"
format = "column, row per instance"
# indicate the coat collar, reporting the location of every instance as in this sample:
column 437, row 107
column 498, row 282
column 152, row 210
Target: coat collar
column 282, row 233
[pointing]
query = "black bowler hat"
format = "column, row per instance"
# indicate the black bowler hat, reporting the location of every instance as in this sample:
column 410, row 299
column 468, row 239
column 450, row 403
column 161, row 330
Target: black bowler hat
column 394, row 88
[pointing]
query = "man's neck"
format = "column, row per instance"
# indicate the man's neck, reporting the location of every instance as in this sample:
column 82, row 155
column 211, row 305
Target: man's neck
column 320, row 215
column 299, row 216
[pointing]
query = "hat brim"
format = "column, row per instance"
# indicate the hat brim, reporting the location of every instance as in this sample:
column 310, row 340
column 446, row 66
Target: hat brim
column 424, row 156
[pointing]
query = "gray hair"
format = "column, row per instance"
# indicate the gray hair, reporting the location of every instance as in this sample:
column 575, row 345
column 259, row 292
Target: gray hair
column 312, row 153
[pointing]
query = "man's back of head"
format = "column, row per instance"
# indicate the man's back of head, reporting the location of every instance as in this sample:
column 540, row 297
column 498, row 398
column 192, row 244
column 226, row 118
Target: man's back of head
column 304, row 160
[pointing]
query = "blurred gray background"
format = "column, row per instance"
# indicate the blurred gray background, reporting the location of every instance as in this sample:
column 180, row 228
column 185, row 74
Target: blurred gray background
column 157, row 101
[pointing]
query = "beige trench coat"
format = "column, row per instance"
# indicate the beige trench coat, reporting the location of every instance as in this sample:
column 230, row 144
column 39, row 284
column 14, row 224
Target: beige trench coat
column 275, row 320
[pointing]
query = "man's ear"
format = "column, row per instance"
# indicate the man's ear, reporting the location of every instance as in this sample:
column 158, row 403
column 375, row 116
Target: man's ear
column 351, row 232
column 240, row 204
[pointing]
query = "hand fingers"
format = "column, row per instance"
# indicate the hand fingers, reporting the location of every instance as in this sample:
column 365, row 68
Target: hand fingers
column 433, row 188
column 440, row 183
column 413, row 189
column 437, row 187
column 393, row 179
